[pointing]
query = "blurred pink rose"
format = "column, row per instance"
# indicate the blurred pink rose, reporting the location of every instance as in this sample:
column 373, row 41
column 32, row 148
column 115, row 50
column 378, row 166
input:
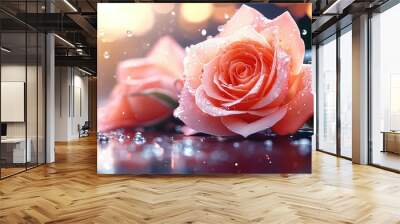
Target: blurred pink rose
column 133, row 101
column 248, row 78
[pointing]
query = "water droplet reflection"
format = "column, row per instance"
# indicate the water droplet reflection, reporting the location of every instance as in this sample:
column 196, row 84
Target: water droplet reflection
column 139, row 139
column 129, row 33
column 121, row 138
column 148, row 151
column 103, row 139
column 106, row 55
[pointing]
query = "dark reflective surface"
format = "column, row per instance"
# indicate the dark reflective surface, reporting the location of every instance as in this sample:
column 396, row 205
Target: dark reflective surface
column 151, row 152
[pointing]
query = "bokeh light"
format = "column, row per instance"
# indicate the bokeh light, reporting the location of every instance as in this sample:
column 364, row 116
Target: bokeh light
column 163, row 8
column 122, row 20
column 223, row 12
column 196, row 12
column 297, row 9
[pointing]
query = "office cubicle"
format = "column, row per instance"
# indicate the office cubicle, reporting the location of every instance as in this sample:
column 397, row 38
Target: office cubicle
column 22, row 94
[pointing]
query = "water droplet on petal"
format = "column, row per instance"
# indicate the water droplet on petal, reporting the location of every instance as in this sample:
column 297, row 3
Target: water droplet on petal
column 158, row 139
column 178, row 128
column 139, row 139
column 203, row 32
column 103, row 139
column 106, row 55
column 220, row 28
column 236, row 164
column 268, row 143
column 129, row 33
column 226, row 16
column 121, row 138
column 236, row 145
column 173, row 13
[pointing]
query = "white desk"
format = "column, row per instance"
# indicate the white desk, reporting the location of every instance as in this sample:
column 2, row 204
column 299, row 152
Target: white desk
column 18, row 149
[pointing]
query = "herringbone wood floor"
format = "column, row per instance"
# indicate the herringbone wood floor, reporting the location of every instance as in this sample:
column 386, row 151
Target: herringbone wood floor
column 70, row 191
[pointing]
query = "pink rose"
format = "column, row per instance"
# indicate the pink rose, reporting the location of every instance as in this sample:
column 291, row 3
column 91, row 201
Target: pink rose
column 249, row 78
column 135, row 99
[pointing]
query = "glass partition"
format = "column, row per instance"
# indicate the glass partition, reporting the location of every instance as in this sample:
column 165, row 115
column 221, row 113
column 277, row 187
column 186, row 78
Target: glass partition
column 327, row 96
column 385, row 89
column 14, row 153
column 22, row 88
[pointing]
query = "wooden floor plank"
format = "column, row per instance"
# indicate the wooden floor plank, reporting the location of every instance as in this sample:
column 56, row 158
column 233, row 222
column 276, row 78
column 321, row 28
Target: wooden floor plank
column 70, row 191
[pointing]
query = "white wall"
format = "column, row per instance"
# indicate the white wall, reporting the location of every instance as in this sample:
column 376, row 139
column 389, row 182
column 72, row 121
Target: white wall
column 33, row 127
column 16, row 73
column 71, row 94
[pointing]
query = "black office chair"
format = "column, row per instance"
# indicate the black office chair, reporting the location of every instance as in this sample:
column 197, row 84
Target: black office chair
column 84, row 129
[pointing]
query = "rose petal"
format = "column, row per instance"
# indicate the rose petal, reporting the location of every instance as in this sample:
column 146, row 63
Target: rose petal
column 288, row 34
column 194, row 118
column 148, row 110
column 244, row 16
column 168, row 54
column 279, row 88
column 140, row 75
column 254, row 90
column 210, row 71
column 188, row 131
column 207, row 107
column 300, row 107
column 124, row 111
column 243, row 128
column 203, row 52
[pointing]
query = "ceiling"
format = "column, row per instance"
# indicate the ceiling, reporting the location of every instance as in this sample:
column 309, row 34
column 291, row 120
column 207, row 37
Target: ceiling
column 75, row 22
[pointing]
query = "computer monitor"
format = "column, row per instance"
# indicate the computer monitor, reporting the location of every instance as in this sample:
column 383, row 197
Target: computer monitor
column 3, row 129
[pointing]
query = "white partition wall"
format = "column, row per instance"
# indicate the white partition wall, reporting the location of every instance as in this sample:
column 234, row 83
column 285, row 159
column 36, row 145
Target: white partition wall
column 71, row 102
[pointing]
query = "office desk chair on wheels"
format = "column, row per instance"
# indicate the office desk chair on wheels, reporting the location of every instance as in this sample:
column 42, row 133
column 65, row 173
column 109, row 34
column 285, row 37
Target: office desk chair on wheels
column 84, row 130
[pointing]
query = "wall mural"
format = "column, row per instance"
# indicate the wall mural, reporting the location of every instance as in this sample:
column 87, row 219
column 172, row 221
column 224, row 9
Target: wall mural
column 201, row 88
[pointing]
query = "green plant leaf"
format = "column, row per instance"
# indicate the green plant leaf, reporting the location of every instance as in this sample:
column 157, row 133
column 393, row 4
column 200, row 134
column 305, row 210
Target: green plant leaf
column 160, row 95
